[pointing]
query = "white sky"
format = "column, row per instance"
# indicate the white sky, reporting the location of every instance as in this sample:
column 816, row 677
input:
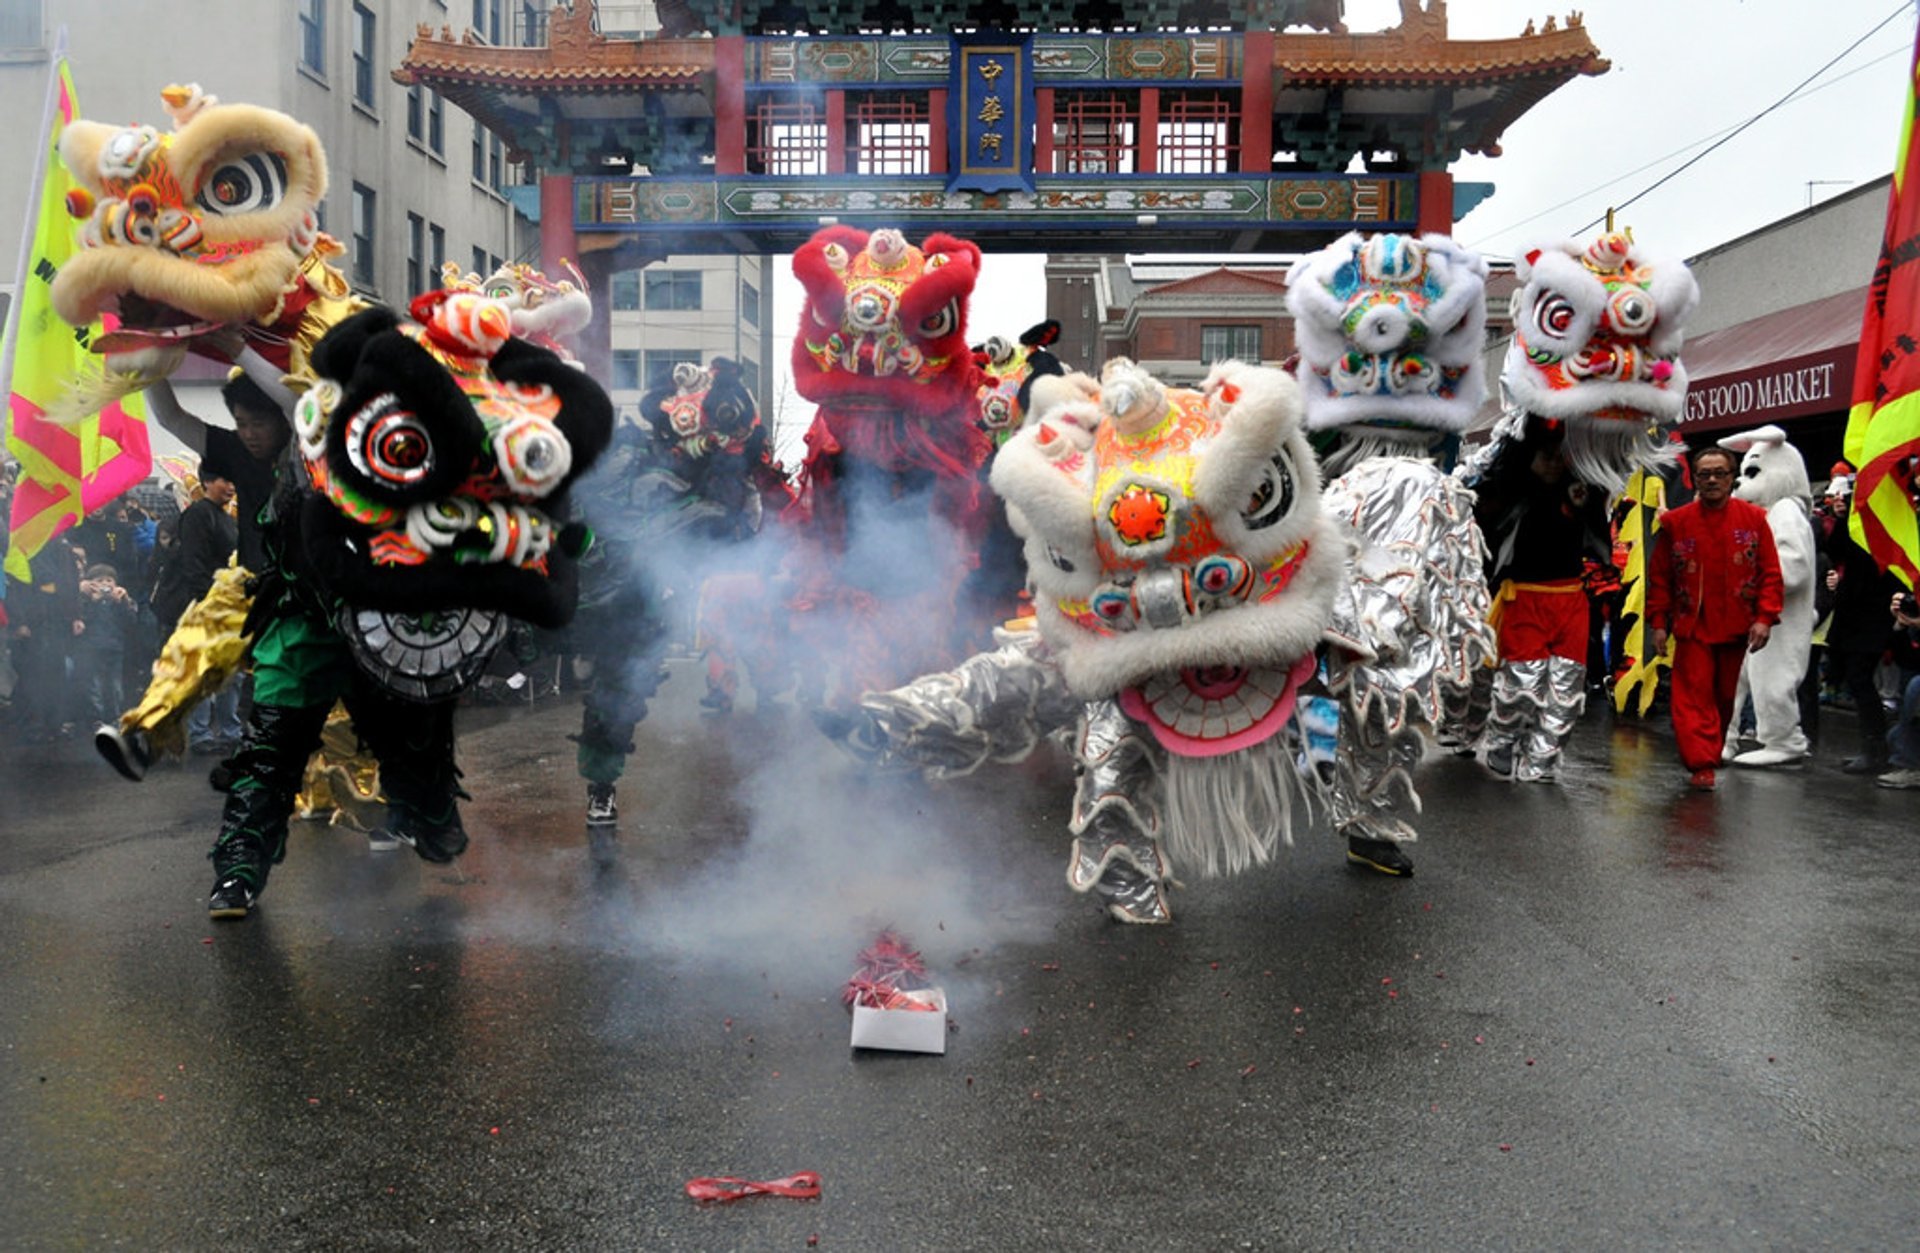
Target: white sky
column 1684, row 73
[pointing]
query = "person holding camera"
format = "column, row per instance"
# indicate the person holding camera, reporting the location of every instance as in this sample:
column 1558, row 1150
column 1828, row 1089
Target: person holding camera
column 1903, row 737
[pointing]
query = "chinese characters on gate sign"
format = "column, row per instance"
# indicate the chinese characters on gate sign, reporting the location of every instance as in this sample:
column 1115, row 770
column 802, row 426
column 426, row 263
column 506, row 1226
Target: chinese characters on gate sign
column 991, row 110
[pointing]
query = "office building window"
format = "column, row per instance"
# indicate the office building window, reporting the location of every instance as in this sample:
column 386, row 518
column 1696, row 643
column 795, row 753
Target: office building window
column 437, row 247
column 436, row 124
column 363, row 55
column 626, row 289
column 313, row 35
column 486, row 19
column 22, row 25
column 660, row 363
column 672, row 289
column 417, row 113
column 626, row 369
column 480, row 265
column 749, row 303
column 416, row 255
column 1223, row 343
column 363, row 222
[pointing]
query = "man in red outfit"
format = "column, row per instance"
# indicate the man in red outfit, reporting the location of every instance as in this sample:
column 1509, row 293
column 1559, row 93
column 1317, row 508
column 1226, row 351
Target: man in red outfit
column 1714, row 585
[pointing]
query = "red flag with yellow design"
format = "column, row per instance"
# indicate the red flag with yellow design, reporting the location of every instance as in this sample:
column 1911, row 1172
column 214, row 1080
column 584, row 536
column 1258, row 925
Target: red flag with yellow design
column 1883, row 426
column 67, row 469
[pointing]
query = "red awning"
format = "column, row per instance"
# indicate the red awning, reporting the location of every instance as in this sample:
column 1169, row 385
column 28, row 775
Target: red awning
column 1790, row 364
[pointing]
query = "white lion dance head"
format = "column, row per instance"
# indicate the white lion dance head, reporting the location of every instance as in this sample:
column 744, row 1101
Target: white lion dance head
column 1390, row 331
column 1182, row 565
column 1596, row 344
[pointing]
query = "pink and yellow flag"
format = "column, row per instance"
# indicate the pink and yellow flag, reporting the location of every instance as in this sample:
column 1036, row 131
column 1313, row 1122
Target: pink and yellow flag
column 70, row 469
column 1883, row 426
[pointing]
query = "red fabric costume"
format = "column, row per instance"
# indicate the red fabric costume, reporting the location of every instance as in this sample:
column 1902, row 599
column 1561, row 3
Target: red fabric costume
column 1714, row 574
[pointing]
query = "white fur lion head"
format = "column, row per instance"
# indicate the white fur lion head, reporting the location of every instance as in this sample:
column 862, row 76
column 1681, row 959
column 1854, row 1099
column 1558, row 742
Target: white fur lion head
column 1179, row 555
column 1390, row 331
column 1597, row 333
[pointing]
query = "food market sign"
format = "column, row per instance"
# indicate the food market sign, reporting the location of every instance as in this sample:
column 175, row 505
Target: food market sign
column 1817, row 383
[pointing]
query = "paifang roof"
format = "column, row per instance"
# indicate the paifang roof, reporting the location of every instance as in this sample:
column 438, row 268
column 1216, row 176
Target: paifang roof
column 575, row 59
column 1419, row 53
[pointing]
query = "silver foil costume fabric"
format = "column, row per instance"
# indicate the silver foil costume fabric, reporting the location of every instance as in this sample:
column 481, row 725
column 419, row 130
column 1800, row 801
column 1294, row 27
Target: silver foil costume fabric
column 1418, row 605
column 1535, row 706
column 994, row 706
column 998, row 706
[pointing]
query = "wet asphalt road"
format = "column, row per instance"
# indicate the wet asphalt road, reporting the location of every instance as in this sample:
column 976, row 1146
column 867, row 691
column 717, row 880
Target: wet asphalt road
column 1614, row 1015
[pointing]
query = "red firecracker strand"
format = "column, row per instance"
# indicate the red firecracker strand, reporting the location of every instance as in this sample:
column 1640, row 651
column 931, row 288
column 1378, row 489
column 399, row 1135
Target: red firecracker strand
column 723, row 1188
column 889, row 968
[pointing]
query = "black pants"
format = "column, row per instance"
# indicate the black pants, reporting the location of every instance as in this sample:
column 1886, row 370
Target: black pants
column 1857, row 671
column 412, row 742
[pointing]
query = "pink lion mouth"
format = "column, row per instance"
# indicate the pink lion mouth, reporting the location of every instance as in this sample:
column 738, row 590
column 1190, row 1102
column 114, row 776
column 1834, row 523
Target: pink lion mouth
column 1213, row 710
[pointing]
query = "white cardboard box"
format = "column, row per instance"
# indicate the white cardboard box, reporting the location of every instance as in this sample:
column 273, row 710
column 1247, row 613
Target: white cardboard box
column 904, row 1030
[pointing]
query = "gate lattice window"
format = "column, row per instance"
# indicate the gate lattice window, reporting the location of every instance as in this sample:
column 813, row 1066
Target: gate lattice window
column 891, row 135
column 787, row 137
column 1095, row 132
column 1199, row 133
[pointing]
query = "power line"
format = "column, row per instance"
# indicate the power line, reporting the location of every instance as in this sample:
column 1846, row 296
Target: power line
column 1686, row 165
column 1902, row 50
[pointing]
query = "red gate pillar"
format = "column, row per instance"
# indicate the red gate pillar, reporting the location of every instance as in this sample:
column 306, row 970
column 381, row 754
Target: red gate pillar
column 1256, row 103
column 557, row 241
column 730, row 104
column 1436, row 203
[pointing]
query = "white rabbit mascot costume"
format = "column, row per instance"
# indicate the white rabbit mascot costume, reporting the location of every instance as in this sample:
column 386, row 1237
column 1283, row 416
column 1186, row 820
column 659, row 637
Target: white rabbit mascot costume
column 1774, row 476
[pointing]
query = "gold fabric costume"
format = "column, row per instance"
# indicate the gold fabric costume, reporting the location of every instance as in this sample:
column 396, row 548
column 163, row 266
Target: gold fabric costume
column 205, row 650
column 342, row 784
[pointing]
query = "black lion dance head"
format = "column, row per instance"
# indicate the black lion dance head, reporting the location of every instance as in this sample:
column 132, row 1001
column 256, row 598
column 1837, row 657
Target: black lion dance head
column 438, row 453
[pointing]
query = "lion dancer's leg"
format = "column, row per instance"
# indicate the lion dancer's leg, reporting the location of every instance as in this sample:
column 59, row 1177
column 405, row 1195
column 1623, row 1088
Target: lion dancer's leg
column 616, row 703
column 204, row 651
column 414, row 744
column 300, row 669
column 1565, row 698
column 1466, row 714
column 993, row 707
column 1119, row 804
column 1539, row 689
column 1371, row 761
column 1514, row 701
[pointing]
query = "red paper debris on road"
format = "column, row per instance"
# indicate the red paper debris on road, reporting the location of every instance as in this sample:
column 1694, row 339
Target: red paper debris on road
column 720, row 1189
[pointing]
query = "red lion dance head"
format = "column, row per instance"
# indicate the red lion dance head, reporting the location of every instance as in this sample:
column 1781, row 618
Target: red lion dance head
column 884, row 334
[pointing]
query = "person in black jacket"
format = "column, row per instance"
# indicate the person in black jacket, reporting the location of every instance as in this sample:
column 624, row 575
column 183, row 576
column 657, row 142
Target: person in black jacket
column 1858, row 637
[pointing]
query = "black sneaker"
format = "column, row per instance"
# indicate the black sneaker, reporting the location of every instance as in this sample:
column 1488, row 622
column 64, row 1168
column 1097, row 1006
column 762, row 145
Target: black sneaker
column 437, row 844
column 222, row 776
column 1381, row 855
column 601, row 809
column 128, row 752
column 239, row 875
column 717, row 700
column 1500, row 760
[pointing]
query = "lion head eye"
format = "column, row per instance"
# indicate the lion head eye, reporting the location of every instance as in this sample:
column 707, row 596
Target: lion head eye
column 1272, row 497
column 248, row 184
column 389, row 444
